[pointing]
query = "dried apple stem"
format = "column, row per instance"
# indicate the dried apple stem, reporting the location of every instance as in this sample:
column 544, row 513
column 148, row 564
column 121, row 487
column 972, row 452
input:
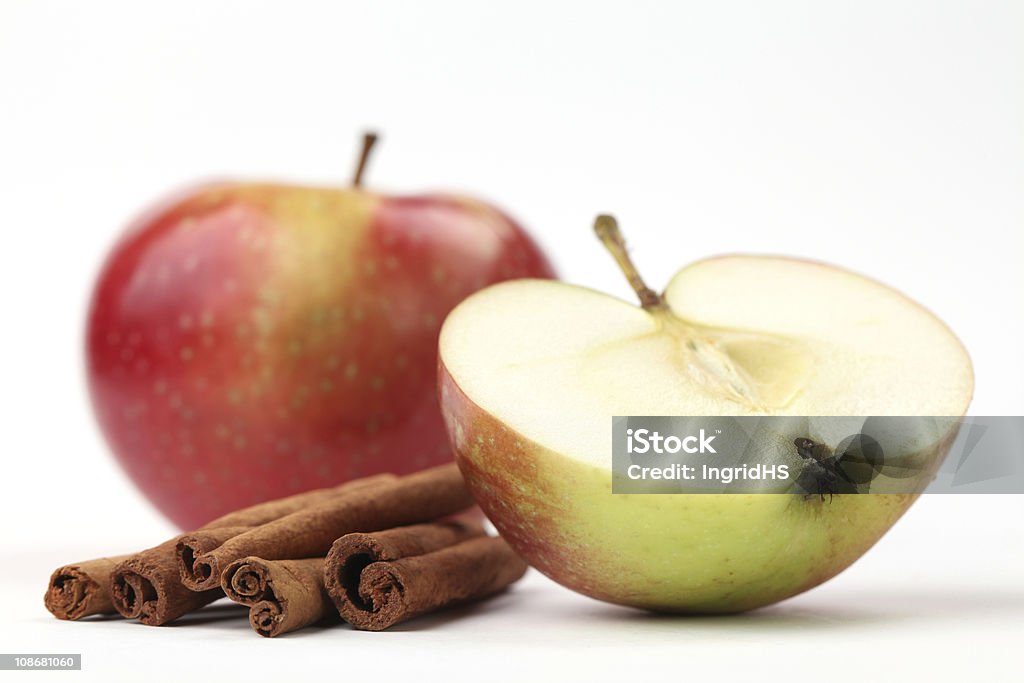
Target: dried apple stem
column 607, row 230
column 369, row 140
column 707, row 359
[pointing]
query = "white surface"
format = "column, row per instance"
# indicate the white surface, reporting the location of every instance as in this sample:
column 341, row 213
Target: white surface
column 940, row 598
column 881, row 136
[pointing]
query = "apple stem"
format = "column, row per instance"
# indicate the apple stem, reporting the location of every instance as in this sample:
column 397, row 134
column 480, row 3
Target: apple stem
column 607, row 230
column 369, row 140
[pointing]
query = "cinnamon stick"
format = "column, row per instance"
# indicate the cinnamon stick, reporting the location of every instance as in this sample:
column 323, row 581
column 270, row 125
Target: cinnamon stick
column 309, row 532
column 147, row 587
column 191, row 546
column 268, row 511
column 80, row 590
column 376, row 595
column 85, row 588
column 353, row 553
column 283, row 595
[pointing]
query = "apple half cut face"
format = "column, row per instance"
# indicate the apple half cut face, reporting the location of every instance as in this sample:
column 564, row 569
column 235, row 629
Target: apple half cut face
column 532, row 372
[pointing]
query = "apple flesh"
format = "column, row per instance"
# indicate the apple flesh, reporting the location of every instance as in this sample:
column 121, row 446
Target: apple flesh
column 532, row 372
column 248, row 341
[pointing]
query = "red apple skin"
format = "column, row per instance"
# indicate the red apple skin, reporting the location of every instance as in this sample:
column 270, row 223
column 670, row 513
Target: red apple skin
column 247, row 341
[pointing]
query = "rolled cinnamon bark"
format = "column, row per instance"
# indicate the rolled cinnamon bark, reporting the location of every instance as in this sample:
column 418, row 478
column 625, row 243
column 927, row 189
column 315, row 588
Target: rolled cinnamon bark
column 283, row 595
column 191, row 546
column 147, row 585
column 261, row 513
column 80, row 590
column 309, row 532
column 352, row 553
column 388, row 592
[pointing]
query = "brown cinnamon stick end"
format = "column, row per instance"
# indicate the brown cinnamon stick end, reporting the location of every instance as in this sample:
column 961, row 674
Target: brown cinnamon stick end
column 291, row 593
column 245, row 581
column 348, row 557
column 265, row 617
column 393, row 592
column 353, row 553
column 80, row 590
column 199, row 571
column 205, row 574
column 129, row 591
column 147, row 587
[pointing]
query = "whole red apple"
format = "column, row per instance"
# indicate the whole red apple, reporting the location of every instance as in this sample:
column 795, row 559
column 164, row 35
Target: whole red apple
column 248, row 341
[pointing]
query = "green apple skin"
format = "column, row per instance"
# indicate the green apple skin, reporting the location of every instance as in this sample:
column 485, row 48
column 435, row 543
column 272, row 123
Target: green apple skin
column 696, row 553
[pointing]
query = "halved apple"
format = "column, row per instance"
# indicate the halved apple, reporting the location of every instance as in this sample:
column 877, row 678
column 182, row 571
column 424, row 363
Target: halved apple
column 531, row 373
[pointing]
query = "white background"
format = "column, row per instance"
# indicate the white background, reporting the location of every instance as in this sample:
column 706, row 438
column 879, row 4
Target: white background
column 886, row 137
